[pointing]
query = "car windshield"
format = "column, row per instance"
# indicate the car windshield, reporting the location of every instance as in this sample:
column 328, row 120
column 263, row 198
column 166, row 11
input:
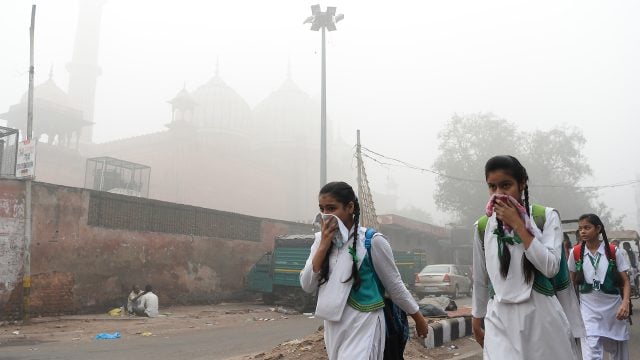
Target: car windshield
column 437, row 269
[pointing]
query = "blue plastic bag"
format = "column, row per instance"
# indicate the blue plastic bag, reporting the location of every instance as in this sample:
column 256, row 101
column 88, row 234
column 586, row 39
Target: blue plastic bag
column 107, row 336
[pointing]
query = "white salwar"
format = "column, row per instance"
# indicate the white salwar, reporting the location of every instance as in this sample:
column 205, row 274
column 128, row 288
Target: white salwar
column 349, row 333
column 521, row 323
column 605, row 333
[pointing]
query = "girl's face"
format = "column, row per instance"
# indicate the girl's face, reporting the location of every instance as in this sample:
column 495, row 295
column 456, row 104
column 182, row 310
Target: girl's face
column 502, row 183
column 588, row 231
column 329, row 205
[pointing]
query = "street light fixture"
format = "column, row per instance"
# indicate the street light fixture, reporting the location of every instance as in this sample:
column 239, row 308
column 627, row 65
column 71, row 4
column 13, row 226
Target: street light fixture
column 323, row 20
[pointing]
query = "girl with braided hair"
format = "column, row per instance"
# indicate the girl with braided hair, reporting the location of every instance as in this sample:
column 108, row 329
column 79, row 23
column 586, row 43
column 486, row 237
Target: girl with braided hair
column 599, row 271
column 350, row 300
column 521, row 291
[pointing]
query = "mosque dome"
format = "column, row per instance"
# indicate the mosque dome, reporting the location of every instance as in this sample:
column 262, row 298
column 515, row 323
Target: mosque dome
column 220, row 107
column 287, row 116
column 50, row 92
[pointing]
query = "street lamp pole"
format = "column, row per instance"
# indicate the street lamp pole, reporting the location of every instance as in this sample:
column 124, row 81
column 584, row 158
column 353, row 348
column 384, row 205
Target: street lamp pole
column 326, row 21
column 323, row 114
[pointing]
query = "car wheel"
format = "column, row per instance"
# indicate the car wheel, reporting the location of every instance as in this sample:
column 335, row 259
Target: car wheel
column 456, row 293
column 470, row 293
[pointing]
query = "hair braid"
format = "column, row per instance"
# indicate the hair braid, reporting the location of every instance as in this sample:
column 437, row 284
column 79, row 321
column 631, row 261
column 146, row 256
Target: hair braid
column 355, row 274
column 617, row 279
column 580, row 272
column 527, row 267
column 505, row 256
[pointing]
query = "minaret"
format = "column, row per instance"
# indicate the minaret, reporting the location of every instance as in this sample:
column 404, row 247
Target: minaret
column 83, row 68
column 182, row 106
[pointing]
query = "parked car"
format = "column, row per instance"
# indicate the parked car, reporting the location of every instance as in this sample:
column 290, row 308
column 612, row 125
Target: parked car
column 444, row 279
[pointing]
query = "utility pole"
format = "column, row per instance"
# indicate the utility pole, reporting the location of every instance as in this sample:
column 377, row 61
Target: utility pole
column 368, row 216
column 26, row 262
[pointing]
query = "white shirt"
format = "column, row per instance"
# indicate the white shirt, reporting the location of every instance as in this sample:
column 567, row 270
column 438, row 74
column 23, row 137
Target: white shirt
column 544, row 252
column 149, row 302
column 599, row 309
column 383, row 263
column 622, row 261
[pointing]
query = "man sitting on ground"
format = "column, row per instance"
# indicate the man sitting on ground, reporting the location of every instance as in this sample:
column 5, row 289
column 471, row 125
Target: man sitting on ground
column 133, row 301
column 148, row 303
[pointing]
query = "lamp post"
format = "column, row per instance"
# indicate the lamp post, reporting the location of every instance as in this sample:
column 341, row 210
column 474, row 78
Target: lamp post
column 323, row 20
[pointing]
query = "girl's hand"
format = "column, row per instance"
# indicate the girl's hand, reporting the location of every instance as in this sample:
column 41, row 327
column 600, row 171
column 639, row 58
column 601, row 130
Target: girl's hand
column 329, row 228
column 508, row 214
column 422, row 328
column 623, row 311
column 478, row 331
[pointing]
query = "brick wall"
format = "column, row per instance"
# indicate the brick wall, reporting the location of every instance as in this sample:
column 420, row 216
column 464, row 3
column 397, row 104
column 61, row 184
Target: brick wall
column 89, row 248
column 11, row 246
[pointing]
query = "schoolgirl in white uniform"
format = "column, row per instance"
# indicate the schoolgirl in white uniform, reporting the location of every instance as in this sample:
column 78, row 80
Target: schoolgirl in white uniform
column 515, row 266
column 349, row 301
column 599, row 272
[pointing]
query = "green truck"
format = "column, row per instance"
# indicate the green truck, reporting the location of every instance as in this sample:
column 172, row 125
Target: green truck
column 276, row 274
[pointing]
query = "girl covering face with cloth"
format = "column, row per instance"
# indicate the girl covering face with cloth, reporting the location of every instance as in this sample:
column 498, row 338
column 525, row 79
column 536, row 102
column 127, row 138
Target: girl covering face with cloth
column 599, row 272
column 518, row 276
column 349, row 299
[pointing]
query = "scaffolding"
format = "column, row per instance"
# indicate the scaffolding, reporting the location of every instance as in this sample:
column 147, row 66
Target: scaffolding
column 368, row 217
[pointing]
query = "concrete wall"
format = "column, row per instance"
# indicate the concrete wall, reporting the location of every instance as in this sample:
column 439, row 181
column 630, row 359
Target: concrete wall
column 89, row 247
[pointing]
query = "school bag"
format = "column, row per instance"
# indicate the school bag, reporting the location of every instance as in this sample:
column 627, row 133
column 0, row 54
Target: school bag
column 397, row 332
column 607, row 286
column 542, row 284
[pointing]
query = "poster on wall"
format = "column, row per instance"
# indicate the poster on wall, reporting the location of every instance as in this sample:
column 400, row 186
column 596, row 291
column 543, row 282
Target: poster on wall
column 26, row 160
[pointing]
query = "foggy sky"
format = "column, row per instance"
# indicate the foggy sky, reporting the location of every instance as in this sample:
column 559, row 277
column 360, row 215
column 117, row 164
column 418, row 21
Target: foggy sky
column 397, row 71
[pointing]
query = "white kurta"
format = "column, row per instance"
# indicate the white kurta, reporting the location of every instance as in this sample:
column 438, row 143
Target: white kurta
column 360, row 335
column 521, row 323
column 599, row 309
column 149, row 302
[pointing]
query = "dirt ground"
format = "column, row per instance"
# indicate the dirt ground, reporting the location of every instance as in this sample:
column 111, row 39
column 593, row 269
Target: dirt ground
column 84, row 328
column 312, row 348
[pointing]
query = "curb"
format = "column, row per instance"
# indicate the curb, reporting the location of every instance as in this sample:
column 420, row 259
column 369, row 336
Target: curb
column 447, row 330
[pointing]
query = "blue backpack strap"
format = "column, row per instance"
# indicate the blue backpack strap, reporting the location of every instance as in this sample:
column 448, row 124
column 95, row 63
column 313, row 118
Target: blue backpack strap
column 368, row 235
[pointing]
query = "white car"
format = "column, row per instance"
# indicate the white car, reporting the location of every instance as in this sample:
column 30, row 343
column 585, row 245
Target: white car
column 444, row 279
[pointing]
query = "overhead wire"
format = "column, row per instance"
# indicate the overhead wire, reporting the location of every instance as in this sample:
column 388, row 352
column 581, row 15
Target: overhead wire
column 391, row 161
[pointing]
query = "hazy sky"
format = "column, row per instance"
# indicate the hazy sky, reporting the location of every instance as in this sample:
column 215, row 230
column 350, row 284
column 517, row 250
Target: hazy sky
column 397, row 70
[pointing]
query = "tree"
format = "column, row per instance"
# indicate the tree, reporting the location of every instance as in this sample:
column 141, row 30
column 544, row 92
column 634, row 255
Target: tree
column 553, row 159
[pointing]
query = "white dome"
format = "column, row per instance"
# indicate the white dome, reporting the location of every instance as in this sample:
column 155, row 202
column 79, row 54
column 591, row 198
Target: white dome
column 50, row 92
column 287, row 116
column 220, row 107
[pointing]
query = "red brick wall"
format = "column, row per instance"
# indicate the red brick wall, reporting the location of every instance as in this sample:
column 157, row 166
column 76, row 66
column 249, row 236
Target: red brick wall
column 77, row 267
column 11, row 247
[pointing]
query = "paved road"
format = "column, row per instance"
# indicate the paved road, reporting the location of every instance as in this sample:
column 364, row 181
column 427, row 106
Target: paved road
column 215, row 343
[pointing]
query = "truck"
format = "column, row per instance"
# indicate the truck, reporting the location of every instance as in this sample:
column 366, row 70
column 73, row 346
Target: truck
column 276, row 275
